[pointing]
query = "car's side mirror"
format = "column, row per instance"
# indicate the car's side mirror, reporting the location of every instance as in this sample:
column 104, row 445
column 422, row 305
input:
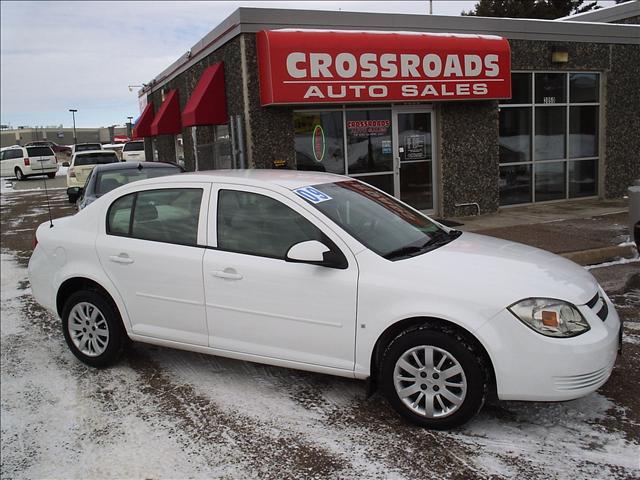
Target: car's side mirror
column 315, row 253
column 65, row 164
column 74, row 193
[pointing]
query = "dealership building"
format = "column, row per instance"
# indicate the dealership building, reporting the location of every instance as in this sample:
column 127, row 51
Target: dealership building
column 453, row 115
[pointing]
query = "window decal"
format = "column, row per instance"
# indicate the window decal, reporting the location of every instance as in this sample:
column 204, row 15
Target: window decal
column 313, row 195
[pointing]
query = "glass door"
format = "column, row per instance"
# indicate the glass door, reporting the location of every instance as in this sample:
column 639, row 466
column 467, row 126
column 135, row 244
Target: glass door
column 414, row 178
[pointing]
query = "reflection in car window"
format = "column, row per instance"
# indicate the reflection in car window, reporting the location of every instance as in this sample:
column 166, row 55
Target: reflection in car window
column 95, row 158
column 259, row 225
column 107, row 181
column 119, row 216
column 377, row 220
column 168, row 215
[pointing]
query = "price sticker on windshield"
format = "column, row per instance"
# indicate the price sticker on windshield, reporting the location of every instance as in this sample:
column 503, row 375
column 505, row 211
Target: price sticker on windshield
column 312, row 194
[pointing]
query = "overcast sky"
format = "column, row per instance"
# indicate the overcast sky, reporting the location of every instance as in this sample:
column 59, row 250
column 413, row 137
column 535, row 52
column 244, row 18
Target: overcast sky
column 60, row 55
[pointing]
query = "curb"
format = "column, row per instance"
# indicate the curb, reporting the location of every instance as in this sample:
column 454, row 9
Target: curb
column 601, row 255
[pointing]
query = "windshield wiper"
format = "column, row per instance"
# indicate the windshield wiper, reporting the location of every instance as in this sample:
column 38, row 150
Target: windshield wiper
column 437, row 239
column 403, row 251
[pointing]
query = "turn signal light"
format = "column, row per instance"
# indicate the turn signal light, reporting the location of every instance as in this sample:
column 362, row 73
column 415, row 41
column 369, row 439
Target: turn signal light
column 549, row 319
column 27, row 162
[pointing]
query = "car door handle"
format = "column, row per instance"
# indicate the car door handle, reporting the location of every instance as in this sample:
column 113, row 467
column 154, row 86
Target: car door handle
column 122, row 258
column 227, row 273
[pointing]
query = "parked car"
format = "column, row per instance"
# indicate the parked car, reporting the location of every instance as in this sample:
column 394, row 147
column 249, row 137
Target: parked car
column 114, row 147
column 23, row 162
column 325, row 273
column 63, row 149
column 81, row 165
column 133, row 151
column 104, row 178
column 83, row 147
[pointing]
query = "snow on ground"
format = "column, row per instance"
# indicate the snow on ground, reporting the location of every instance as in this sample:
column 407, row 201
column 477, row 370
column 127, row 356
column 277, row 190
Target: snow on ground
column 169, row 414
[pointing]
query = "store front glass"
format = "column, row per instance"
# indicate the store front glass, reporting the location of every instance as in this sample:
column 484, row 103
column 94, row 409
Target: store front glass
column 549, row 134
column 391, row 149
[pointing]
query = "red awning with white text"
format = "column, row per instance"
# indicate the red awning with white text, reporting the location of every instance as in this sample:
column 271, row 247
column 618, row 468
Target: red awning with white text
column 142, row 128
column 208, row 102
column 167, row 120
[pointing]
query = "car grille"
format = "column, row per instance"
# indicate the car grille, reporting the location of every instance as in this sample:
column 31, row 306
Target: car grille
column 599, row 306
column 576, row 382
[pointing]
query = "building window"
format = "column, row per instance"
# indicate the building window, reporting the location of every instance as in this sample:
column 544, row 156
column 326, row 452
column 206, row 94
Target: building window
column 355, row 142
column 549, row 137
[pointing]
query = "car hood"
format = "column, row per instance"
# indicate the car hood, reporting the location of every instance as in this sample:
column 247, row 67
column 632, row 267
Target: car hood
column 501, row 272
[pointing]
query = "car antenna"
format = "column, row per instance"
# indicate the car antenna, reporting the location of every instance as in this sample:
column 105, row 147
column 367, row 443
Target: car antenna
column 46, row 194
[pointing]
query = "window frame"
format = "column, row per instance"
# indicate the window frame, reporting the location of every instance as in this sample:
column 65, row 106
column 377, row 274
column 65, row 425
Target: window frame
column 567, row 159
column 201, row 236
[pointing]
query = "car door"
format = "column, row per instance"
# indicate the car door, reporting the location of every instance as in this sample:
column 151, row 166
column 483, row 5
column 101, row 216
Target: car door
column 260, row 304
column 151, row 249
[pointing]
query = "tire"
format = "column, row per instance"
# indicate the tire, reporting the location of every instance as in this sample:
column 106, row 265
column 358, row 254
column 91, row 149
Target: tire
column 19, row 175
column 100, row 349
column 51, row 175
column 430, row 398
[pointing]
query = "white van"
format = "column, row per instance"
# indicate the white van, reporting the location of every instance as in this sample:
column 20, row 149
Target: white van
column 133, row 151
column 23, row 162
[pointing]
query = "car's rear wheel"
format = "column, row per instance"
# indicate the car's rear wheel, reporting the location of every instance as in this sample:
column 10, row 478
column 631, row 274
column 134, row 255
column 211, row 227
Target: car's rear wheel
column 433, row 378
column 19, row 175
column 51, row 175
column 92, row 328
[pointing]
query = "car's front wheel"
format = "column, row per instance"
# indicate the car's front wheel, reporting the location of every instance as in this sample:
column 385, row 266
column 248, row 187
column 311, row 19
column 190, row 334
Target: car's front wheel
column 433, row 378
column 92, row 328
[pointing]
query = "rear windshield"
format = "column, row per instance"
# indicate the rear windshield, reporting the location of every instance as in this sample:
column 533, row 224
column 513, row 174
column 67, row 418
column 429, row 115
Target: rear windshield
column 39, row 151
column 107, row 181
column 96, row 158
column 134, row 147
column 88, row 146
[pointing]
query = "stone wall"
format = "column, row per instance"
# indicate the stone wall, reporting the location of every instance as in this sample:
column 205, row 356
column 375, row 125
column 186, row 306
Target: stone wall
column 468, row 156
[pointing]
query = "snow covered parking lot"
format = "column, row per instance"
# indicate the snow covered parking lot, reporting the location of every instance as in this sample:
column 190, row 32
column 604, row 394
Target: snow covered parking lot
column 169, row 414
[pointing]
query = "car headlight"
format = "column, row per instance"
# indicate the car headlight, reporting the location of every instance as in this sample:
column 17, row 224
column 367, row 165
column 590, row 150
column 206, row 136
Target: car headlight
column 550, row 317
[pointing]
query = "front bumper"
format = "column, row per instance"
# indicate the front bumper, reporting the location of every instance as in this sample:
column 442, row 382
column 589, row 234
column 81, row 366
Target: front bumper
column 530, row 366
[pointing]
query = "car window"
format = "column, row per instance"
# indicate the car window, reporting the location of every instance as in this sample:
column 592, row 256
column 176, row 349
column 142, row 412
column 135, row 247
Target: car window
column 88, row 146
column 168, row 215
column 39, row 151
column 15, row 153
column 259, row 225
column 119, row 216
column 95, row 158
column 113, row 179
column 134, row 147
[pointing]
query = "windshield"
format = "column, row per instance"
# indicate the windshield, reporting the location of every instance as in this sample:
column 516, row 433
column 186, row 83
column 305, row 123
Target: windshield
column 39, row 151
column 96, row 158
column 377, row 220
column 88, row 146
column 112, row 179
column 134, row 147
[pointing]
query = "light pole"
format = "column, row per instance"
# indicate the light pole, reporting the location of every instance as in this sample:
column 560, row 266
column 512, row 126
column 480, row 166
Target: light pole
column 73, row 113
column 130, row 128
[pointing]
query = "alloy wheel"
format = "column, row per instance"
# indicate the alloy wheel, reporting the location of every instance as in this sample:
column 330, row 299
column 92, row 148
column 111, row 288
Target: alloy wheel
column 88, row 329
column 430, row 381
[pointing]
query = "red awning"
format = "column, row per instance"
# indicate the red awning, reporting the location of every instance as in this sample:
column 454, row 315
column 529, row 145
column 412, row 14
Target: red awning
column 208, row 102
column 167, row 121
column 142, row 128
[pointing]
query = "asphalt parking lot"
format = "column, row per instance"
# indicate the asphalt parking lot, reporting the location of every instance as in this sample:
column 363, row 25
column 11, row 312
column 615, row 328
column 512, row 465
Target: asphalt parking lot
column 164, row 413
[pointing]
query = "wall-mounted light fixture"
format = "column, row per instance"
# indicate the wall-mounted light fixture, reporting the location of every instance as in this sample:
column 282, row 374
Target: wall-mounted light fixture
column 559, row 55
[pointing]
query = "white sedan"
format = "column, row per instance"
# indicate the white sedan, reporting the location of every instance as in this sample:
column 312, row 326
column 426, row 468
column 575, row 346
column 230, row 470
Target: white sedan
column 325, row 273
